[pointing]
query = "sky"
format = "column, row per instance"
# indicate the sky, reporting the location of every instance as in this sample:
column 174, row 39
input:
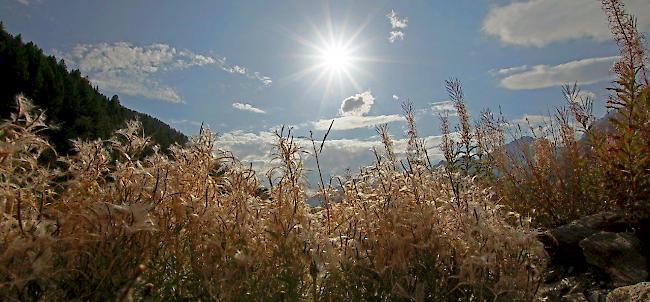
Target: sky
column 245, row 68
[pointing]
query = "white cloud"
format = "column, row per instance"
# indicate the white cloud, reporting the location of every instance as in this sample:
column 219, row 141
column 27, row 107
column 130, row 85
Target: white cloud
column 247, row 107
column 397, row 25
column 129, row 69
column 510, row 70
column 585, row 71
column 395, row 97
column 396, row 22
column 134, row 70
column 187, row 59
column 352, row 114
column 266, row 81
column 236, row 69
column 444, row 108
column 586, row 94
column 541, row 22
column 357, row 105
column 135, row 85
column 354, row 121
column 23, row 2
column 536, row 125
column 395, row 35
column 534, row 120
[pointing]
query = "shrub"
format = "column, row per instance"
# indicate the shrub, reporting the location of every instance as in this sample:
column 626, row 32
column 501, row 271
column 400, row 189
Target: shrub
column 576, row 165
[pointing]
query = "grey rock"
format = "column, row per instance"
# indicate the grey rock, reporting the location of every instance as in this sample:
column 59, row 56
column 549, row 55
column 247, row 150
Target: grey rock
column 617, row 254
column 575, row 231
column 562, row 242
column 639, row 292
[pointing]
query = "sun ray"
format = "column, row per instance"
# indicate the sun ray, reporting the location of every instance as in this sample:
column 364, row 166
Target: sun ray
column 336, row 57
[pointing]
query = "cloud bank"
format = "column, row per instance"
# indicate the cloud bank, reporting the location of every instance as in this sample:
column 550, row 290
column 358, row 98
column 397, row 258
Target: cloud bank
column 354, row 122
column 537, row 23
column 585, row 71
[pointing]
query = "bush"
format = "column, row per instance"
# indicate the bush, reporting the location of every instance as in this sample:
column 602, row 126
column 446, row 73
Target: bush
column 577, row 165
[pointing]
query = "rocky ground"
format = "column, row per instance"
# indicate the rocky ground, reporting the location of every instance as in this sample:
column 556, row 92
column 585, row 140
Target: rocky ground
column 602, row 257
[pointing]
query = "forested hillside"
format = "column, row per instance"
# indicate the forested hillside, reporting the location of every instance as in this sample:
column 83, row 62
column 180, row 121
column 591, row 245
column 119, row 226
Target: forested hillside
column 71, row 103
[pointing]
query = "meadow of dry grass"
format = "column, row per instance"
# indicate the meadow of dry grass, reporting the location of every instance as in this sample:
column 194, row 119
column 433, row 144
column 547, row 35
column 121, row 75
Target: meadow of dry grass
column 120, row 220
column 192, row 225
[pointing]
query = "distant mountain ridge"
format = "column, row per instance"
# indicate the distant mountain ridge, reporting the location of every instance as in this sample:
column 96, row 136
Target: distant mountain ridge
column 69, row 100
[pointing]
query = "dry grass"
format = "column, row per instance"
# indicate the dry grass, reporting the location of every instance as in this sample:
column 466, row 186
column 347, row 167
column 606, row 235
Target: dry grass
column 119, row 220
column 116, row 225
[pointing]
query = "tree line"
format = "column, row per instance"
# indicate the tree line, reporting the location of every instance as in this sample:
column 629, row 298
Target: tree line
column 69, row 99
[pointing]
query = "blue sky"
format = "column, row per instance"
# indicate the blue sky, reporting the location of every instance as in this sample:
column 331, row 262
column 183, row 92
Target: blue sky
column 247, row 67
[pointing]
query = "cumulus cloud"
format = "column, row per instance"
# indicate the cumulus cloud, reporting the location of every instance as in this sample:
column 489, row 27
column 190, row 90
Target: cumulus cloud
column 354, row 121
column 134, row 70
column 585, row 71
column 397, row 25
column 357, row 105
column 247, row 107
column 129, row 69
column 395, row 97
column 352, row 114
column 541, row 22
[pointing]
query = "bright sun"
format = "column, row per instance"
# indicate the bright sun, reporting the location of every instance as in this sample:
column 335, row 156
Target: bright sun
column 336, row 58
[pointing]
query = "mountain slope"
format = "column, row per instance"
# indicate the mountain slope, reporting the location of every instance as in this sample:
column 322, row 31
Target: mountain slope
column 70, row 101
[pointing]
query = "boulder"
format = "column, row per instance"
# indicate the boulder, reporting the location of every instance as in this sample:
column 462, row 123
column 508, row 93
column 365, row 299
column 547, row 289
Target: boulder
column 562, row 242
column 575, row 231
column 639, row 292
column 618, row 255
